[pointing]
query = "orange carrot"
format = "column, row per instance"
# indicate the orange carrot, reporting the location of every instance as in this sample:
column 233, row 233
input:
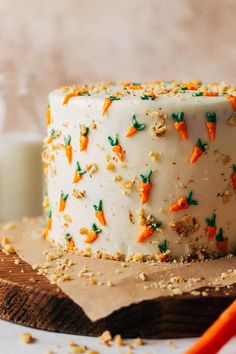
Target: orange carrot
column 63, row 200
column 198, row 150
column 70, row 244
column 183, row 203
column 48, row 116
column 180, row 125
column 135, row 86
column 107, row 103
column 233, row 101
column 135, row 127
column 68, row 148
column 164, row 253
column 116, row 147
column 147, row 231
column 99, row 213
column 49, row 224
column 221, row 241
column 145, row 187
column 81, row 92
column 211, row 125
column 93, row 234
column 233, row 176
column 78, row 173
column 52, row 136
column 222, row 330
column 211, row 227
column 84, row 138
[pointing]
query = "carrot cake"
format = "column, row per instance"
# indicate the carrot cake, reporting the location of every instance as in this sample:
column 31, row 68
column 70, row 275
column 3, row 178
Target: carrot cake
column 142, row 171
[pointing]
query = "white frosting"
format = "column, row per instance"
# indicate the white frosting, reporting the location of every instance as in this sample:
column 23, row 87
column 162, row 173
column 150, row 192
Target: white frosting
column 173, row 175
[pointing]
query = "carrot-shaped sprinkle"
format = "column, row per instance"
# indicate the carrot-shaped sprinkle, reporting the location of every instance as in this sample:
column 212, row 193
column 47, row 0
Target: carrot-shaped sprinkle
column 150, row 97
column 221, row 241
column 180, row 125
column 147, row 231
column 233, row 101
column 135, row 86
column 49, row 223
column 48, row 116
column 135, row 127
column 183, row 203
column 117, row 149
column 222, row 330
column 68, row 148
column 164, row 253
column 75, row 94
column 211, row 227
column 63, row 200
column 99, row 213
column 52, row 136
column 145, row 187
column 211, row 125
column 70, row 245
column 84, row 138
column 210, row 93
column 107, row 103
column 92, row 234
column 78, row 173
column 198, row 150
column 233, row 176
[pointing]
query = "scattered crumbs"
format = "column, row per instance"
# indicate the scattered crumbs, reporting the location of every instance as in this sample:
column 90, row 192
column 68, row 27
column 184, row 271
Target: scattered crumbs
column 109, row 284
column 118, row 340
column 27, row 338
column 105, row 338
column 75, row 348
column 9, row 226
column 138, row 342
column 117, row 178
column 142, row 276
column 195, row 293
column 17, row 261
column 155, row 156
column 110, row 167
column 8, row 249
column 92, row 168
column 92, row 281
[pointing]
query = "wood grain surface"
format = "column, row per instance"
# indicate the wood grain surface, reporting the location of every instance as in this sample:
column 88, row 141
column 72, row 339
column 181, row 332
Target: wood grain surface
column 29, row 299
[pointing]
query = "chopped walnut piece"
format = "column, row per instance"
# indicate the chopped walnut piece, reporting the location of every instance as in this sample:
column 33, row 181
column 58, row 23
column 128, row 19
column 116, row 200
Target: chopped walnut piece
column 105, row 338
column 142, row 276
column 184, row 226
column 27, row 338
column 159, row 130
column 77, row 349
column 118, row 340
column 137, row 342
column 92, row 168
column 154, row 156
column 79, row 194
column 110, row 167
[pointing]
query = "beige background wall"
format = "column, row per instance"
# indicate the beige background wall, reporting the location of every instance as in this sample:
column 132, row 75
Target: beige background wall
column 66, row 41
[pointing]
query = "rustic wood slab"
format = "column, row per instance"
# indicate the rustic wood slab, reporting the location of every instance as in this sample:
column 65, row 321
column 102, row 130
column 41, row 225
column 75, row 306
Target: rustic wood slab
column 29, row 299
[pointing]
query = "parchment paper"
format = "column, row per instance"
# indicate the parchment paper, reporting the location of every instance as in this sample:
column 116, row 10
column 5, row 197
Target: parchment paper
column 101, row 287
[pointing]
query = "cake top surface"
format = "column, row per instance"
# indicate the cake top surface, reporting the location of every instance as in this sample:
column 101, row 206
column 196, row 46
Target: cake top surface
column 148, row 91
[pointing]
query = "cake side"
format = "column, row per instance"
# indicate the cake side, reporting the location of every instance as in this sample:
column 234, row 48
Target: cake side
column 142, row 169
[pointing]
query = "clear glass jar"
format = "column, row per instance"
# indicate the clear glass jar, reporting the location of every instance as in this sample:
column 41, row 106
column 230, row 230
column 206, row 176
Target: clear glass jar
column 21, row 136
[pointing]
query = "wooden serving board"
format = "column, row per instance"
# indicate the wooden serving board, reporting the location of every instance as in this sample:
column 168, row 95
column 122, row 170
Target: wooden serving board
column 29, row 299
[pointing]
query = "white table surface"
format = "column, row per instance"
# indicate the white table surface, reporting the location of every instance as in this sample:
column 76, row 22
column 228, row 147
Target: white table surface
column 10, row 343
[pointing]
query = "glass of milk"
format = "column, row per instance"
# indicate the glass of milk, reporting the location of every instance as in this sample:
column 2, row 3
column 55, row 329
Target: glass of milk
column 21, row 177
